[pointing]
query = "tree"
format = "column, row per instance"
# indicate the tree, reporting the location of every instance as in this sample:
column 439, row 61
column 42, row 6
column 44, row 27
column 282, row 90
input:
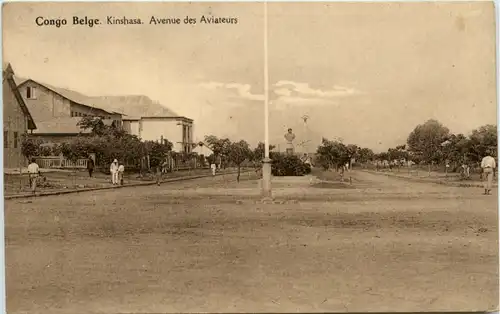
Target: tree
column 157, row 151
column 30, row 147
column 78, row 147
column 210, row 159
column 239, row 152
column 352, row 152
column 456, row 148
column 365, row 155
column 426, row 141
column 127, row 149
column 92, row 123
column 383, row 156
column 259, row 152
column 481, row 140
column 97, row 127
column 219, row 146
column 333, row 153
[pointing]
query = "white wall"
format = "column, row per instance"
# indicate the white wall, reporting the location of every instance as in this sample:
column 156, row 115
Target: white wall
column 134, row 128
column 131, row 127
column 154, row 129
column 203, row 150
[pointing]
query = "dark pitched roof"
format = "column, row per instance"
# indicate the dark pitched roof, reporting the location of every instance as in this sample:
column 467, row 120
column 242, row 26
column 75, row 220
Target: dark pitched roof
column 134, row 105
column 8, row 74
column 127, row 105
column 63, row 125
column 69, row 94
column 176, row 118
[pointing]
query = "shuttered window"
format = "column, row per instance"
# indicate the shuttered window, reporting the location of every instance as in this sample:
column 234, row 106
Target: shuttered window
column 15, row 139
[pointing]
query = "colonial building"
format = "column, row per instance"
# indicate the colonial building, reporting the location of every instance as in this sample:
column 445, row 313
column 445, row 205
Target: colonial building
column 17, row 120
column 58, row 110
column 176, row 129
column 58, row 130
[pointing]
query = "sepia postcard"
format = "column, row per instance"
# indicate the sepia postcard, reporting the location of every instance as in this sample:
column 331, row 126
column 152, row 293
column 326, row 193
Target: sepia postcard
column 171, row 157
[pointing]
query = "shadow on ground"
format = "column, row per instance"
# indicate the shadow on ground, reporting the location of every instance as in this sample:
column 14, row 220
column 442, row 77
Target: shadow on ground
column 332, row 185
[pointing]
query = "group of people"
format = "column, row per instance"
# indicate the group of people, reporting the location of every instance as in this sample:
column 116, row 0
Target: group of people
column 117, row 170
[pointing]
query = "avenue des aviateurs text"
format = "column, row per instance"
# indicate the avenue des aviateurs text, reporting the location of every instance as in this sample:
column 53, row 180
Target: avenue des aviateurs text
column 154, row 20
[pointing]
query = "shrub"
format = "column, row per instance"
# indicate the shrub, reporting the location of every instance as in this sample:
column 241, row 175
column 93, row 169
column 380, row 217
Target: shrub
column 286, row 165
column 157, row 152
column 30, row 147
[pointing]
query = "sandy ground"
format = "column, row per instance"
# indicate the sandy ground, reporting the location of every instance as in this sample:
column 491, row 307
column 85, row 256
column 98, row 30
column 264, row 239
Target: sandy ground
column 64, row 180
column 381, row 245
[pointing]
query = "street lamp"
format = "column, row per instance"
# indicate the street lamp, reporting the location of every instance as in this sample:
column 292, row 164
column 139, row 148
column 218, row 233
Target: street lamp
column 266, row 163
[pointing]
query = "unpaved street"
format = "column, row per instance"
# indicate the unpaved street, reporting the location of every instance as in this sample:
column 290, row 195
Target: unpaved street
column 384, row 244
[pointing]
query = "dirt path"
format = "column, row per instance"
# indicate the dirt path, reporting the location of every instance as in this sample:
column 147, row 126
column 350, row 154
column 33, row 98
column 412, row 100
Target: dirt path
column 384, row 245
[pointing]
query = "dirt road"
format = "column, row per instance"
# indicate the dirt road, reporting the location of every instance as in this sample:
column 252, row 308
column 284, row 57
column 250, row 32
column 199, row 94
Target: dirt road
column 383, row 245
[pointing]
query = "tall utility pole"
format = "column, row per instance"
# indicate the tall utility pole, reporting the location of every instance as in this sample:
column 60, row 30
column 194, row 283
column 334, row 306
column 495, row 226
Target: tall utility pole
column 266, row 164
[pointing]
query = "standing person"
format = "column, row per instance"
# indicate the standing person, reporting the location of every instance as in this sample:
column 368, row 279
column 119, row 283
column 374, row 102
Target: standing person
column 121, row 172
column 165, row 166
column 213, row 167
column 90, row 166
column 114, row 172
column 33, row 172
column 488, row 165
column 158, row 174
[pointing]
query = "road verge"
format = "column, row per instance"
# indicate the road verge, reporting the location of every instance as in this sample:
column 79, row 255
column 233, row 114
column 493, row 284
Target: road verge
column 69, row 191
column 464, row 184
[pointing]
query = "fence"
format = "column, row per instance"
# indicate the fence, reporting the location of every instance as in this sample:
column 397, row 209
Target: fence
column 177, row 163
column 174, row 163
column 56, row 162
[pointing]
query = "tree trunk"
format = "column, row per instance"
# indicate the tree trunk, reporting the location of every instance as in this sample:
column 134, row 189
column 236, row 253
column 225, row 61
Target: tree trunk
column 238, row 177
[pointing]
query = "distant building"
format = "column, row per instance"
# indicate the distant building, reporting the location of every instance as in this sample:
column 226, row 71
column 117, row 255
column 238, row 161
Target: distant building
column 203, row 150
column 58, row 110
column 17, row 120
column 176, row 129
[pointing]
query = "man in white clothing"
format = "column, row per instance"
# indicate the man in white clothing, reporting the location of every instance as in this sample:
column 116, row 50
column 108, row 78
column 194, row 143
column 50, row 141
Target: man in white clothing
column 488, row 165
column 114, row 172
column 33, row 172
column 121, row 172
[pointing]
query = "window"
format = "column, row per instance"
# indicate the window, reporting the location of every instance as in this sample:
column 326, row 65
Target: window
column 15, row 139
column 5, row 139
column 30, row 92
column 184, row 133
column 72, row 114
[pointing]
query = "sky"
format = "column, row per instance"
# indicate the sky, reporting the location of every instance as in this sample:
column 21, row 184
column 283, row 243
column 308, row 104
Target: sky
column 367, row 73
